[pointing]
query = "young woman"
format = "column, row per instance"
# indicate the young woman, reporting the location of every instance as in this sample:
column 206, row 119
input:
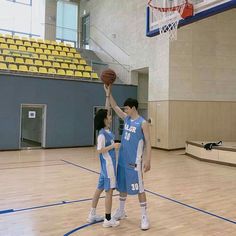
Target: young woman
column 107, row 180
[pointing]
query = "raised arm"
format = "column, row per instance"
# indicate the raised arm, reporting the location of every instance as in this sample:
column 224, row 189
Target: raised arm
column 147, row 157
column 113, row 103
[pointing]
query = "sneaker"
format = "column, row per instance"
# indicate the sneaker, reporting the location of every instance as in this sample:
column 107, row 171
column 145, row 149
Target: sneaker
column 94, row 218
column 119, row 215
column 110, row 223
column 145, row 223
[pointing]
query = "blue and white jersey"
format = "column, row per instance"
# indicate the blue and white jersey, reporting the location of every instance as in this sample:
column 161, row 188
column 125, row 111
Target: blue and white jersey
column 132, row 142
column 107, row 178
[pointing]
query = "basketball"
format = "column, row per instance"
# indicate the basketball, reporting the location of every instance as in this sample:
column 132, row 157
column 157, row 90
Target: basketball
column 108, row 76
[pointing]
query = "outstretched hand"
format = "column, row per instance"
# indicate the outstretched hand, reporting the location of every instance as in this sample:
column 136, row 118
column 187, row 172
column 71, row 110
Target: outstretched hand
column 107, row 89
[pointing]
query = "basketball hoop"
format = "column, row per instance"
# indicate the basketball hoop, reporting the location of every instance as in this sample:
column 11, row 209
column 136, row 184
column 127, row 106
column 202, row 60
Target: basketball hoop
column 168, row 13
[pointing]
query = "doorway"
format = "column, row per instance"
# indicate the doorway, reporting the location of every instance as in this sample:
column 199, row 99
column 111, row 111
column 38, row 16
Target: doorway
column 85, row 31
column 33, row 126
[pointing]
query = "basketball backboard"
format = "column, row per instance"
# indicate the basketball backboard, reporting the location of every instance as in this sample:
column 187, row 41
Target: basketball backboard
column 202, row 9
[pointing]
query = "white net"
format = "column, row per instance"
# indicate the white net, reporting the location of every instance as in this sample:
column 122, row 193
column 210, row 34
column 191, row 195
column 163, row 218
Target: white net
column 166, row 14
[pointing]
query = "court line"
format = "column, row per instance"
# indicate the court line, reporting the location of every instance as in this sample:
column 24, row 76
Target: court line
column 3, row 163
column 22, row 167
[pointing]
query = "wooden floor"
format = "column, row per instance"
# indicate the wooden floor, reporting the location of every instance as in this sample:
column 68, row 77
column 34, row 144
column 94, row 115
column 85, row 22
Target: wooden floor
column 48, row 192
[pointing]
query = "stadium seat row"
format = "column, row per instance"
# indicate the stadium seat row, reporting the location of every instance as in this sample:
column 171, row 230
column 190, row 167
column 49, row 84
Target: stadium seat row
column 44, row 70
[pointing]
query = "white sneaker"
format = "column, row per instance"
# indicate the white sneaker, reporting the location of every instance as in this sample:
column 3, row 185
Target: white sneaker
column 110, row 223
column 119, row 215
column 94, row 218
column 145, row 223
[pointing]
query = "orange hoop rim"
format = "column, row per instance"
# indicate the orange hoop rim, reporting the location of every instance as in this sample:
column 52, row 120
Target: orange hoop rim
column 166, row 9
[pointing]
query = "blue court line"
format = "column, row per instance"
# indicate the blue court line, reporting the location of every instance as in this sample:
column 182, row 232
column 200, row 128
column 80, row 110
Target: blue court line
column 23, row 167
column 81, row 227
column 68, row 162
column 192, row 207
column 7, row 211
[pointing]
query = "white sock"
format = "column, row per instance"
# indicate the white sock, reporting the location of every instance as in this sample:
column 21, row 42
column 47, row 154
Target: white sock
column 93, row 211
column 122, row 203
column 143, row 206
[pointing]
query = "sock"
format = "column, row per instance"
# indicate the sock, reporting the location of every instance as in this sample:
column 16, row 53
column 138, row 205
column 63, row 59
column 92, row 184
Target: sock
column 122, row 203
column 108, row 216
column 93, row 211
column 143, row 206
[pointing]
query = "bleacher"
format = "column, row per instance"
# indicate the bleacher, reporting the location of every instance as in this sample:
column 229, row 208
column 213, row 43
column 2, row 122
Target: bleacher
column 42, row 57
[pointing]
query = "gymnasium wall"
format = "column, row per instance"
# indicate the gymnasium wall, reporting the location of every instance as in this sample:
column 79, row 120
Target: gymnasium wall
column 69, row 120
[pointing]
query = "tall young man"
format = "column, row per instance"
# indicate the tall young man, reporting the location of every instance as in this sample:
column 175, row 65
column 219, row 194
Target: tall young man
column 135, row 139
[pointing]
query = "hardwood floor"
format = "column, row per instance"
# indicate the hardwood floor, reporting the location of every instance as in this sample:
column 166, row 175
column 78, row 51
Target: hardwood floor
column 48, row 193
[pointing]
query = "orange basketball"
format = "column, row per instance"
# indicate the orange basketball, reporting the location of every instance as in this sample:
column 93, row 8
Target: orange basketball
column 108, row 76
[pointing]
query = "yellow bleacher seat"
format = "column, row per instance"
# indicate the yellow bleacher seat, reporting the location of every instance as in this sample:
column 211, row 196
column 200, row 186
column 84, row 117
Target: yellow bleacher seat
column 29, row 62
column 80, row 67
column 3, row 66
column 55, row 53
column 35, row 55
column 51, row 47
column 56, row 64
column 38, row 62
column 69, row 54
column 68, row 45
column 23, row 68
column 47, row 41
column 66, row 49
column 77, row 55
column 53, row 42
column 35, row 45
column 13, row 47
column 10, row 41
column 39, row 50
column 52, row 71
column 1, row 35
column 12, row 67
column 16, row 37
column 32, row 40
column 61, row 72
column 43, row 70
column 47, row 64
column 2, row 40
column 64, row 65
column 78, row 73
column 86, row 74
column 61, row 44
column 2, row 58
column 22, row 48
column 70, row 72
column 94, row 75
column 47, row 51
column 33, row 69
column 43, row 46
column 19, row 60
column 72, row 50
column 43, row 57
column 60, row 59
column 40, row 41
column 9, row 59
column 8, row 36
column 88, row 68
column 19, row 42
column 5, row 52
column 51, row 58
column 16, row 54
column 75, row 61
column 58, row 48
column 82, row 62
column 25, row 38
column 72, row 66
column 30, row 49
column 63, row 54
column 27, row 44
column 3, row 45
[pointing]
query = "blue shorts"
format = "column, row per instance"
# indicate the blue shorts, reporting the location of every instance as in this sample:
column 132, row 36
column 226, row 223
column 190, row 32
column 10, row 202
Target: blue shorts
column 104, row 183
column 129, row 179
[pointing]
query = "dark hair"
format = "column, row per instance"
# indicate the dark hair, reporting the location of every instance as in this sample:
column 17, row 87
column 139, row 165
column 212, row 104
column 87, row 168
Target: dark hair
column 130, row 102
column 99, row 119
